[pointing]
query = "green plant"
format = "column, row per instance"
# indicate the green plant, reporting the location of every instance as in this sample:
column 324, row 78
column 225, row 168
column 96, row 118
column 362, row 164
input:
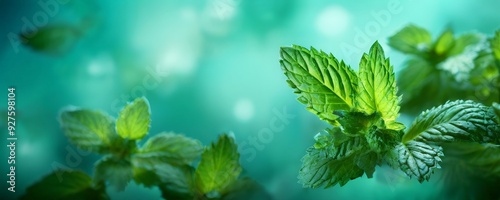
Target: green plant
column 164, row 160
column 449, row 68
column 363, row 109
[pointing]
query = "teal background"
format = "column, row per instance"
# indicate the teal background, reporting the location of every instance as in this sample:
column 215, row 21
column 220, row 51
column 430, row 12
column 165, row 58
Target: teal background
column 210, row 67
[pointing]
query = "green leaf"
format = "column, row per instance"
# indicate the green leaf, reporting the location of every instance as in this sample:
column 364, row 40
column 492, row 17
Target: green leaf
column 65, row 185
column 219, row 166
column 455, row 121
column 444, row 43
column 167, row 148
column 177, row 181
column 89, row 130
column 495, row 45
column 323, row 83
column 416, row 74
column 482, row 160
column 52, row 39
column 418, row 159
column 134, row 120
column 320, row 170
column 496, row 109
column 377, row 87
column 411, row 39
column 118, row 172
column 464, row 41
column 247, row 189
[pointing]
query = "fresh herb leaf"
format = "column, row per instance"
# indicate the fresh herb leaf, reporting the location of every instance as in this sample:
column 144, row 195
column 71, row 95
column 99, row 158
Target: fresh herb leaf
column 418, row 159
column 134, row 120
column 411, row 39
column 377, row 87
column 455, row 121
column 118, row 172
column 219, row 166
column 495, row 45
column 89, row 130
column 72, row 185
column 324, row 83
column 167, row 148
column 444, row 42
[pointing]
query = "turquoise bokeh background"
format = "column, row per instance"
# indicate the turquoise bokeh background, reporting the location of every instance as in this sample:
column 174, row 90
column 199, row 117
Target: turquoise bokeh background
column 207, row 67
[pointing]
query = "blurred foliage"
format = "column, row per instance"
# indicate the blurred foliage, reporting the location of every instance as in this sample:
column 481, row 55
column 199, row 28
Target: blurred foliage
column 449, row 68
column 165, row 160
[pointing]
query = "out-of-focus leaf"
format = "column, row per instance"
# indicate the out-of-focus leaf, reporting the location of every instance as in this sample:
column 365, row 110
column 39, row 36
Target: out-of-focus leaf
column 177, row 182
column 89, row 130
column 134, row 120
column 444, row 42
column 411, row 39
column 465, row 41
column 65, row 185
column 246, row 189
column 324, row 84
column 118, row 172
column 167, row 148
column 219, row 166
column 52, row 39
column 495, row 45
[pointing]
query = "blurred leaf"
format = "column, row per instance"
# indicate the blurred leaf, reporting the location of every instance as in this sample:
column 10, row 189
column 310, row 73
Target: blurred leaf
column 89, row 130
column 464, row 41
column 496, row 109
column 454, row 121
column 495, row 45
column 219, row 166
column 146, row 177
column 52, row 39
column 480, row 159
column 411, row 39
column 377, row 87
column 413, row 77
column 118, row 172
column 70, row 185
column 324, row 83
column 246, row 189
column 134, row 120
column 444, row 43
column 177, row 182
column 418, row 159
column 167, row 148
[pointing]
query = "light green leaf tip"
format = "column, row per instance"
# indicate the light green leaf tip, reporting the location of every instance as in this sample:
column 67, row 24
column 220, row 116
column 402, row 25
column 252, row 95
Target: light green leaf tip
column 89, row 130
column 134, row 120
column 323, row 83
column 219, row 166
column 377, row 90
column 495, row 45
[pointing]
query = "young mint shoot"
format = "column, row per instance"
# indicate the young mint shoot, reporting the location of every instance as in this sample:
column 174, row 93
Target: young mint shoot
column 165, row 160
column 363, row 108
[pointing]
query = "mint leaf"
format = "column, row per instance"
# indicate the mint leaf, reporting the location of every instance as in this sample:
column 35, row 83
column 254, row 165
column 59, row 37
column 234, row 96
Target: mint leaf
column 377, row 87
column 455, row 121
column 134, row 120
column 167, row 148
column 480, row 160
column 495, row 45
column 320, row 170
column 444, row 42
column 89, row 130
column 247, row 189
column 219, row 166
column 71, row 185
column 177, row 181
column 464, row 41
column 496, row 109
column 418, row 159
column 118, row 172
column 411, row 39
column 323, row 83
